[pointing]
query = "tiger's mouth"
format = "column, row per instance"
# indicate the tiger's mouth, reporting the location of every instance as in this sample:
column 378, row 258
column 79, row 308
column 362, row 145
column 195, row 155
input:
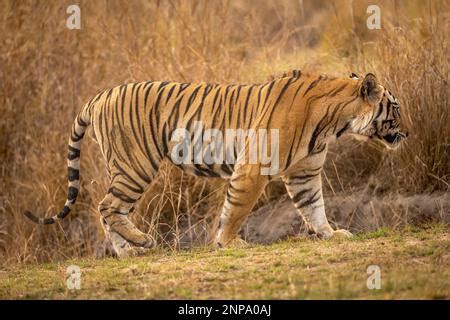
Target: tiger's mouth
column 391, row 140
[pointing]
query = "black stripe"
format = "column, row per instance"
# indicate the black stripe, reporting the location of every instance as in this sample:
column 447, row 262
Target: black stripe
column 238, row 93
column 299, row 195
column 380, row 110
column 129, row 187
column 307, row 106
column 340, row 132
column 136, row 108
column 283, row 90
column 294, row 180
column 147, row 92
column 108, row 96
column 74, row 174
column 320, row 148
column 317, row 130
column 312, row 85
column 226, row 168
column 260, row 89
column 339, row 89
column 233, row 188
column 74, row 153
column 94, row 100
column 81, row 122
column 289, row 158
column 164, row 139
column 75, row 137
column 206, row 172
column 230, row 106
column 249, row 93
column 320, row 128
column 133, row 128
column 183, row 86
column 72, row 193
column 388, row 109
column 64, row 212
column 175, row 113
column 148, row 152
column 169, row 94
column 154, row 128
column 199, row 107
column 124, row 173
column 312, row 199
column 234, row 203
column 100, row 139
column 119, row 194
column 192, row 98
column 218, row 110
column 34, row 218
column 48, row 221
column 269, row 90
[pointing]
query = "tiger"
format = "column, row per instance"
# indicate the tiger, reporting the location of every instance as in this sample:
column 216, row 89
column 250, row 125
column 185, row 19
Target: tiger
column 133, row 125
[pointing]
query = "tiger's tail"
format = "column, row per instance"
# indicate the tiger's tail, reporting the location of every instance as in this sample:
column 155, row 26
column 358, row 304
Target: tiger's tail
column 79, row 127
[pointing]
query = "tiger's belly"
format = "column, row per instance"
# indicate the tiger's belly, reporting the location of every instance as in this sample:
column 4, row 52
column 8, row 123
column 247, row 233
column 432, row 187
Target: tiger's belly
column 223, row 171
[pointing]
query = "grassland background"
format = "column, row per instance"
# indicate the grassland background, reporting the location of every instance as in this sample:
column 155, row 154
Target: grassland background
column 47, row 72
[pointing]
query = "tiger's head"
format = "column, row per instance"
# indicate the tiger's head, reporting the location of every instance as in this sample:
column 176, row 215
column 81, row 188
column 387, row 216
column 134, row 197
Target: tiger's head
column 383, row 121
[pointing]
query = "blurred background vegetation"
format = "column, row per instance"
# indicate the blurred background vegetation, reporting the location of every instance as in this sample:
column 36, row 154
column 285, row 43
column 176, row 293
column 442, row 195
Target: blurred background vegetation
column 48, row 72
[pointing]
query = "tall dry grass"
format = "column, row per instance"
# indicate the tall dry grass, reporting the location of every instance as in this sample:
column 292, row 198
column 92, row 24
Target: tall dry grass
column 47, row 72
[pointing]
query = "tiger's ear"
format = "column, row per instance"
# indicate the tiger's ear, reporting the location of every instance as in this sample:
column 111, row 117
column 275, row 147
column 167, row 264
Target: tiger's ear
column 370, row 90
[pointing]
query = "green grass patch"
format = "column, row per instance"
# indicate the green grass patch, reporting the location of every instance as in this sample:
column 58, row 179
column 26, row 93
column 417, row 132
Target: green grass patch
column 414, row 263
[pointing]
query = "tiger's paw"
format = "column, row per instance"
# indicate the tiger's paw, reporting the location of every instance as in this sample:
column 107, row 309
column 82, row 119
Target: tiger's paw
column 238, row 243
column 328, row 233
column 128, row 251
column 123, row 248
column 125, row 229
column 132, row 252
column 137, row 252
column 342, row 234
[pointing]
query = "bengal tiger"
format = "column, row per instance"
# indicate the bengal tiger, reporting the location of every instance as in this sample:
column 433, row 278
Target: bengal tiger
column 134, row 124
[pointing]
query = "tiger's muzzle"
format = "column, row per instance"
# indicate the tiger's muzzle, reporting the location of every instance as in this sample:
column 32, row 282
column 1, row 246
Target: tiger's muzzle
column 391, row 137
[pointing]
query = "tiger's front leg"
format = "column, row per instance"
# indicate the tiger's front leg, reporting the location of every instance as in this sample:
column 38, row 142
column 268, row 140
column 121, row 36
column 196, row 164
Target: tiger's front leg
column 244, row 189
column 305, row 189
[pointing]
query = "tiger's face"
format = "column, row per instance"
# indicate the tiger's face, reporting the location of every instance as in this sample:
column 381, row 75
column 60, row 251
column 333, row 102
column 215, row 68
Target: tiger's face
column 385, row 124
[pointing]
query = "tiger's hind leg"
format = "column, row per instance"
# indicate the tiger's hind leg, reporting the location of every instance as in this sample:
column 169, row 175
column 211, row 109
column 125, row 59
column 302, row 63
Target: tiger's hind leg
column 120, row 200
column 126, row 239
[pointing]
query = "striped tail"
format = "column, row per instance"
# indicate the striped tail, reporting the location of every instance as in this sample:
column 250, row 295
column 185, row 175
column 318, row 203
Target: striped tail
column 73, row 164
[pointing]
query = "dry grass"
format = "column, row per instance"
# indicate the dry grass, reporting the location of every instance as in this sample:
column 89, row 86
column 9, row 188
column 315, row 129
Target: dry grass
column 47, row 72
